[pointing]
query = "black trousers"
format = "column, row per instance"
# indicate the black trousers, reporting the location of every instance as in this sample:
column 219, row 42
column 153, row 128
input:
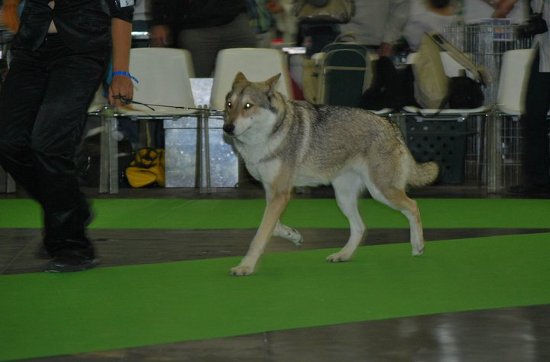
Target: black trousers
column 43, row 105
column 536, row 157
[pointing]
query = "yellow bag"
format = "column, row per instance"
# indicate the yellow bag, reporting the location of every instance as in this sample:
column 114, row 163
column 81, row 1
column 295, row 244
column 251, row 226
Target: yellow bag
column 147, row 168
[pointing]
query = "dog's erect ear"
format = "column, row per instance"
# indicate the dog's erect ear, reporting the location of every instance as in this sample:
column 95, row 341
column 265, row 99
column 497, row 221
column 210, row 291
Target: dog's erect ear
column 239, row 78
column 272, row 82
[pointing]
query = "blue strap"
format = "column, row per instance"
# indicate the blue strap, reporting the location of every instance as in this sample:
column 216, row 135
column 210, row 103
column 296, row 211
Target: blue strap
column 126, row 74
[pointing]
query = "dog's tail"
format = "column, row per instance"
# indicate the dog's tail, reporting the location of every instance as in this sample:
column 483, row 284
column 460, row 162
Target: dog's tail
column 423, row 174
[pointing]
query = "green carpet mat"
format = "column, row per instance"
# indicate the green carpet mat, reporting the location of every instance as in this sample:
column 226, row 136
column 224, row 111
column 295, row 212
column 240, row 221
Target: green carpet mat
column 110, row 308
column 319, row 213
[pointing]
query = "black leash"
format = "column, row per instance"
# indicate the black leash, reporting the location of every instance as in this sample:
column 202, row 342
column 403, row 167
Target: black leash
column 150, row 106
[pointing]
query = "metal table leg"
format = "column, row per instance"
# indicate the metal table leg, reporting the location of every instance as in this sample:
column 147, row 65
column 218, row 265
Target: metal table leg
column 108, row 173
column 494, row 153
column 203, row 151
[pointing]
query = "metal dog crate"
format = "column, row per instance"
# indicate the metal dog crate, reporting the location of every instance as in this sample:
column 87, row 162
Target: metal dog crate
column 509, row 152
column 486, row 42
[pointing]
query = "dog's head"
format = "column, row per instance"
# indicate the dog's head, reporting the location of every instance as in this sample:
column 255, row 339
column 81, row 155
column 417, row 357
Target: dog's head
column 251, row 108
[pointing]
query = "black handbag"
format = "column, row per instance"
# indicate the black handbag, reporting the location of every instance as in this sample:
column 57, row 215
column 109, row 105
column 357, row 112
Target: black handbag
column 464, row 93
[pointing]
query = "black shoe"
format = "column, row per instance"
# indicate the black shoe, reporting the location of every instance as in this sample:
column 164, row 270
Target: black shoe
column 41, row 252
column 530, row 190
column 65, row 264
column 87, row 215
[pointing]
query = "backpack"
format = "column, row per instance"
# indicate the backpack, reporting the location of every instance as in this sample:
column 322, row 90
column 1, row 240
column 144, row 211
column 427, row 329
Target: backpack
column 390, row 88
column 344, row 72
column 464, row 92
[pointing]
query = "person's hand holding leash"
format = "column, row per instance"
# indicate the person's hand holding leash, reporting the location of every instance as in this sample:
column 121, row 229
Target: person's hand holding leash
column 121, row 90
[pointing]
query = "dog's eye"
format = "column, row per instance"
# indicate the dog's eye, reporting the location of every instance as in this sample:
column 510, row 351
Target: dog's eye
column 248, row 105
column 228, row 104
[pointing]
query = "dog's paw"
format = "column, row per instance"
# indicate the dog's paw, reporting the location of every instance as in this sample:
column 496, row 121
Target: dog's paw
column 297, row 238
column 242, row 270
column 338, row 257
column 289, row 233
column 417, row 252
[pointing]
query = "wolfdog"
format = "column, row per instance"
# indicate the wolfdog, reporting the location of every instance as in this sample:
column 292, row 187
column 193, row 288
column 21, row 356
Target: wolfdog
column 286, row 143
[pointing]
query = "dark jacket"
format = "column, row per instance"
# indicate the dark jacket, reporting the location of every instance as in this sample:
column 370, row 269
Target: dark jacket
column 193, row 14
column 82, row 24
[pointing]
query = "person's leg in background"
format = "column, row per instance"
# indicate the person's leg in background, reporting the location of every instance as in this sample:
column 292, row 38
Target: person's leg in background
column 237, row 34
column 536, row 158
column 204, row 43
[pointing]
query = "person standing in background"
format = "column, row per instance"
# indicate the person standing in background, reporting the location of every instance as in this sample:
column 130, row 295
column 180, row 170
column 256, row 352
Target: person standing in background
column 60, row 55
column 203, row 27
column 534, row 120
column 427, row 16
column 378, row 23
column 476, row 10
column 285, row 21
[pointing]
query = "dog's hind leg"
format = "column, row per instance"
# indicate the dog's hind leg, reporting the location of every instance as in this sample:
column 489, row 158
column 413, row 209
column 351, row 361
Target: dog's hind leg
column 288, row 233
column 347, row 189
column 398, row 199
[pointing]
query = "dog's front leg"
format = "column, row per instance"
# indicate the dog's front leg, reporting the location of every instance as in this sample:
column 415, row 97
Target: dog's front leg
column 274, row 208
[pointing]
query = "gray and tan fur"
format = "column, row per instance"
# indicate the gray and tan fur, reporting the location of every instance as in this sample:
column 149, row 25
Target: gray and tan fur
column 287, row 143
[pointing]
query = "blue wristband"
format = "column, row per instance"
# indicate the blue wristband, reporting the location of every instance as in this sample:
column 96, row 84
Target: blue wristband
column 126, row 74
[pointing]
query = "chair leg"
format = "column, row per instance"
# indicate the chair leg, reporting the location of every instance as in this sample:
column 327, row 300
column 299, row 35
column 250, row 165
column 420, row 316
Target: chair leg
column 494, row 152
column 108, row 173
column 208, row 180
column 203, row 147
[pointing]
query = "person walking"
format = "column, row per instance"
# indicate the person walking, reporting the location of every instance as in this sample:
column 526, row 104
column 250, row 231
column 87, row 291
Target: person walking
column 59, row 57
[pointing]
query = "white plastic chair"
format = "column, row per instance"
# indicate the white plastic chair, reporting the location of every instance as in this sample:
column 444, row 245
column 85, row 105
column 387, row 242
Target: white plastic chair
column 257, row 64
column 164, row 85
column 164, row 79
column 513, row 78
column 512, row 81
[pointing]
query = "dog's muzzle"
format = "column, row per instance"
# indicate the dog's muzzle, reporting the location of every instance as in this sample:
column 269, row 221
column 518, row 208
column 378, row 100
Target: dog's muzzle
column 229, row 129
